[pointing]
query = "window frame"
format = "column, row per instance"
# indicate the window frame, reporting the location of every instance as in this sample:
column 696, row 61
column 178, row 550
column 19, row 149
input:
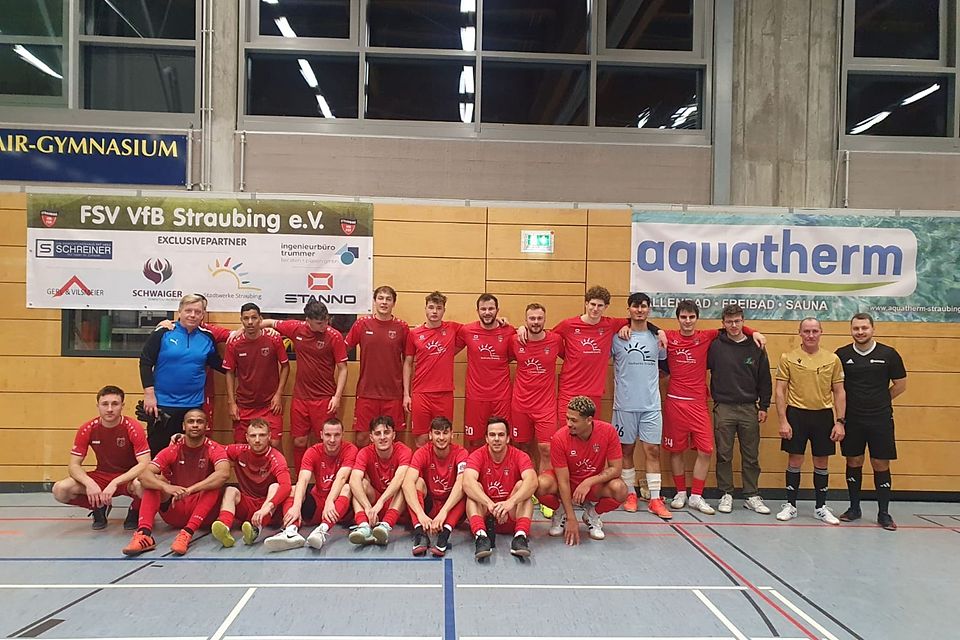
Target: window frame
column 62, row 41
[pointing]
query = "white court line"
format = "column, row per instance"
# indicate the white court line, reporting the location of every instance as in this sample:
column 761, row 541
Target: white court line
column 722, row 618
column 363, row 637
column 228, row 585
column 797, row 610
column 603, row 587
column 222, row 629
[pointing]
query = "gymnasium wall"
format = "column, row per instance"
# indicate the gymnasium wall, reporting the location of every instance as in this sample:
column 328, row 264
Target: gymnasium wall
column 44, row 397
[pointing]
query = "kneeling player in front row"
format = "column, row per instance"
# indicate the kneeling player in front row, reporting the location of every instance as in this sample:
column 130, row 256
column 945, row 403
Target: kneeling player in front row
column 587, row 463
column 122, row 454
column 499, row 481
column 183, row 483
column 330, row 461
column 433, row 488
column 375, row 484
column 264, row 484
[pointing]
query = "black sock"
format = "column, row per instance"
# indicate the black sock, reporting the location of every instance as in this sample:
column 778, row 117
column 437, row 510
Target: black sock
column 883, row 483
column 793, row 485
column 145, row 531
column 188, row 530
column 821, row 478
column 854, row 481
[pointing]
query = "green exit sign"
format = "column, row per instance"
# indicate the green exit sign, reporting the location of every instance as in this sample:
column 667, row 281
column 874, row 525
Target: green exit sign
column 536, row 241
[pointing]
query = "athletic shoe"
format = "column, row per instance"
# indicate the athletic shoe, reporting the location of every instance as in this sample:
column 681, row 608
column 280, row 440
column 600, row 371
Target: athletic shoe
column 250, row 533
column 644, row 491
column 726, row 504
column 701, row 505
column 520, row 547
column 317, row 538
column 826, row 515
column 287, row 539
column 100, row 518
column 755, row 503
column 594, row 523
column 630, row 504
column 557, row 523
column 181, row 542
column 787, row 512
column 421, row 542
column 659, row 508
column 361, row 534
column 132, row 520
column 851, row 514
column 439, row 548
column 482, row 547
column 139, row 543
column 381, row 533
column 679, row 501
column 885, row 521
column 546, row 511
column 221, row 532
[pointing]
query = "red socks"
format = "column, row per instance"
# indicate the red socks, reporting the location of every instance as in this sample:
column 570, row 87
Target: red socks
column 226, row 518
column 605, row 505
column 341, row 504
column 697, row 489
column 360, row 517
column 149, row 505
column 523, row 526
column 477, row 525
column 391, row 517
column 680, row 482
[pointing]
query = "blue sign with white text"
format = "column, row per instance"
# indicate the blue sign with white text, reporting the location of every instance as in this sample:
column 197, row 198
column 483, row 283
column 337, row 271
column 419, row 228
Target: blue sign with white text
column 92, row 157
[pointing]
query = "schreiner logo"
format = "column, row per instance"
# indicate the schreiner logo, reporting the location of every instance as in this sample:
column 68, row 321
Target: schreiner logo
column 157, row 270
column 320, row 281
column 74, row 249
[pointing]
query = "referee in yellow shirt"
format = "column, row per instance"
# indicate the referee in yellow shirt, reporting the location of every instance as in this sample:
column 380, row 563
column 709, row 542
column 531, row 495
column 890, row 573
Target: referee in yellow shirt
column 811, row 404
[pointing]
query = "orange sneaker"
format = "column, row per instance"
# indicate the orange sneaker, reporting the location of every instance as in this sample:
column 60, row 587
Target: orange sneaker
column 658, row 508
column 139, row 543
column 181, row 542
column 630, row 504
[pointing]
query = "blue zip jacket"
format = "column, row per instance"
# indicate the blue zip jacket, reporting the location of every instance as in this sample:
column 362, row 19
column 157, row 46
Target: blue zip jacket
column 174, row 362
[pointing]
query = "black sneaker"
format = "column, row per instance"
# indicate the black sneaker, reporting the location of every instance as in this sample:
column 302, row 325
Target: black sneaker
column 421, row 542
column 443, row 541
column 132, row 520
column 885, row 521
column 100, row 518
column 520, row 547
column 491, row 526
column 483, row 547
column 850, row 515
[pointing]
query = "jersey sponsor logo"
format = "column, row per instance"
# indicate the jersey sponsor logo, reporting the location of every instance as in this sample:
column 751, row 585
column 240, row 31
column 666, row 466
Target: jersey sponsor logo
column 74, row 249
column 534, row 365
column 157, row 270
column 685, row 356
column 586, row 466
column 435, row 347
column 441, row 482
column 488, row 352
column 494, row 488
column 589, row 345
column 872, row 361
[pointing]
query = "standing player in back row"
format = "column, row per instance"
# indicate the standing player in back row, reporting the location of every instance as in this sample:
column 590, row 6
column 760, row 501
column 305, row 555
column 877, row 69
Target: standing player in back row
column 873, row 375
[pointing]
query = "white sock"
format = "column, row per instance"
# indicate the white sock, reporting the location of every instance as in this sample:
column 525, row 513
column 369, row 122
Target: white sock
column 323, row 527
column 629, row 477
column 653, row 484
column 292, row 529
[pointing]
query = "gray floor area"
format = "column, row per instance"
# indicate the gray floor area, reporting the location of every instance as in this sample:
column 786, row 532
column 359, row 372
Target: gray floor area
column 733, row 576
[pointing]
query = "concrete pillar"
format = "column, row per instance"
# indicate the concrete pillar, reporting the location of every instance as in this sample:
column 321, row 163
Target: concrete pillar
column 226, row 29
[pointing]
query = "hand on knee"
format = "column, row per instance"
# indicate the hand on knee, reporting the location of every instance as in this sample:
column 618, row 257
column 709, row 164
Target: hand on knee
column 301, row 442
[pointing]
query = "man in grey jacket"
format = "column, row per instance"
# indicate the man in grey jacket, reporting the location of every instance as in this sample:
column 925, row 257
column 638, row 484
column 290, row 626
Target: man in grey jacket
column 741, row 388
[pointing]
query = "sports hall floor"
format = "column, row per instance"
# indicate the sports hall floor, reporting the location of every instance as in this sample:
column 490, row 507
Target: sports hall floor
column 700, row 578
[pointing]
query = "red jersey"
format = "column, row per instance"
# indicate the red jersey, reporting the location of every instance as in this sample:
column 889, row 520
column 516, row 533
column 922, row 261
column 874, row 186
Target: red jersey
column 498, row 479
column 433, row 351
column 116, row 447
column 535, row 385
column 218, row 333
column 381, row 356
column 687, row 357
column 185, row 466
column 585, row 458
column 488, row 360
column 380, row 471
column 439, row 474
column 255, row 473
column 255, row 364
column 317, row 357
column 324, row 467
column 587, row 351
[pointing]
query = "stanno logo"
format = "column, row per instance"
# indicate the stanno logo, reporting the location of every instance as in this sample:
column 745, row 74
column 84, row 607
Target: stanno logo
column 320, row 281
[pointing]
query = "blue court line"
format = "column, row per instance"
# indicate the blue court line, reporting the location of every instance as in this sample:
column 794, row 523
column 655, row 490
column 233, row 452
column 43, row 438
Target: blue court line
column 449, row 612
column 171, row 559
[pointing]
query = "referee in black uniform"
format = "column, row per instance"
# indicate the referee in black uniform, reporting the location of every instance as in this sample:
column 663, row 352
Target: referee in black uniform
column 873, row 376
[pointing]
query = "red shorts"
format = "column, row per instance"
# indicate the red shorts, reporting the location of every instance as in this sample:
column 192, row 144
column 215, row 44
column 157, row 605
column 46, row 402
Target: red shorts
column 249, row 413
column 249, row 505
column 433, row 504
column 427, row 406
column 308, row 416
column 102, row 478
column 593, row 495
column 685, row 421
column 367, row 409
column 477, row 412
column 564, row 399
column 528, row 422
column 179, row 512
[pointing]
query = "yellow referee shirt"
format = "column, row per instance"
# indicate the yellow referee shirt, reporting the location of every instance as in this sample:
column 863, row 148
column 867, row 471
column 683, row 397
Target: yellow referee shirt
column 810, row 377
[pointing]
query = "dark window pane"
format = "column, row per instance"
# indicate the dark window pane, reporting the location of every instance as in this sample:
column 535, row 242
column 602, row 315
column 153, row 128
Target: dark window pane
column 175, row 19
column 534, row 93
column 31, row 17
column 661, row 25
column 31, row 70
column 546, row 26
column 897, row 29
column 897, row 105
column 429, row 24
column 648, row 98
column 135, row 79
column 302, row 85
column 305, row 18
column 420, row 89
column 110, row 333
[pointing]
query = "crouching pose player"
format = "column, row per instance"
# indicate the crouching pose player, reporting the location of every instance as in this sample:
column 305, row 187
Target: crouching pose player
column 499, row 481
column 587, row 463
column 183, row 483
column 375, row 484
column 264, row 484
column 433, row 488
column 330, row 461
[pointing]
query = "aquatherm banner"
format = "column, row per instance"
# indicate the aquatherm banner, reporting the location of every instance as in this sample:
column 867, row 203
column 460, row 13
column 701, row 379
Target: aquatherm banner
column 790, row 266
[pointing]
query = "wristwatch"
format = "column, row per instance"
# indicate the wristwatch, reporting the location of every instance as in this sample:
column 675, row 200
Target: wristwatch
column 841, row 420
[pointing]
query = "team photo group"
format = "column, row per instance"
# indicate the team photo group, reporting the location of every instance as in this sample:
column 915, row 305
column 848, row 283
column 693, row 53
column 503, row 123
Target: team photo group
column 531, row 438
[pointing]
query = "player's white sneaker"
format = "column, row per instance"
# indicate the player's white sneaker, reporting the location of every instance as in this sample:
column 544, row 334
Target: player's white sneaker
column 679, row 501
column 361, row 534
column 558, row 522
column 755, row 503
column 826, row 515
column 701, row 505
column 287, row 539
column 726, row 504
column 317, row 537
column 594, row 524
column 787, row 512
column 381, row 533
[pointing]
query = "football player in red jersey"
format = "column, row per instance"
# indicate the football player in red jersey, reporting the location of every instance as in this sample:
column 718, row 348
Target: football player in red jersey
column 375, row 484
